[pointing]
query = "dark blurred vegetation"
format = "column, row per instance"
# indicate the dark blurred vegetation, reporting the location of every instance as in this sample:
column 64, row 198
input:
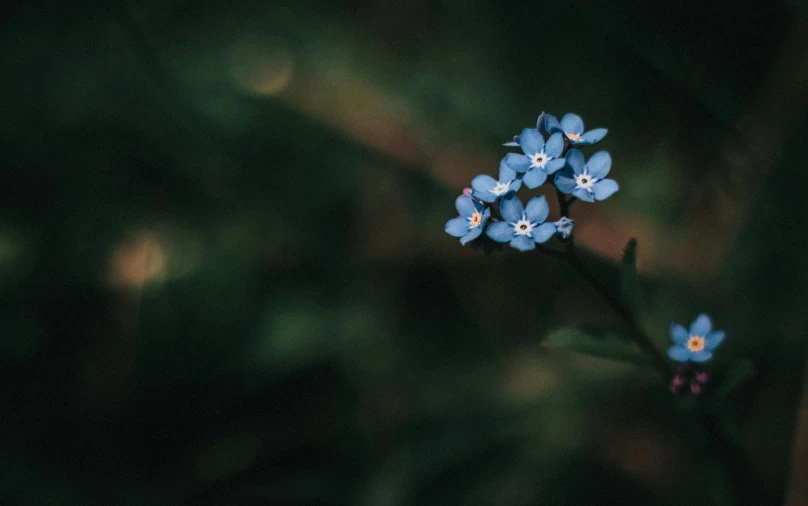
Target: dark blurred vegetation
column 225, row 278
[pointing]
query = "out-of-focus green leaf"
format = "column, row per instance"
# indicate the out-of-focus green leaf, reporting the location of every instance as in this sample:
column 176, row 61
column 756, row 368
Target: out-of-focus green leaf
column 737, row 376
column 597, row 342
column 629, row 285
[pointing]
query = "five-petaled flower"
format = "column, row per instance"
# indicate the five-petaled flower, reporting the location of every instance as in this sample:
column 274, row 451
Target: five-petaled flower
column 539, row 160
column 586, row 181
column 523, row 226
column 469, row 225
column 488, row 189
column 697, row 344
column 564, row 226
column 572, row 126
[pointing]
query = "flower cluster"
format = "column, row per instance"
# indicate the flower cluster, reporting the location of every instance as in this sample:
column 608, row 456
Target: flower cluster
column 551, row 149
column 547, row 150
column 691, row 347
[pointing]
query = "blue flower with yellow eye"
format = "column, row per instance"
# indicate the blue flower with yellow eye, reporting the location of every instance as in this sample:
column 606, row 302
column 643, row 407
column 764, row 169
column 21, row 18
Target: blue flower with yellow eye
column 572, row 126
column 586, row 180
column 540, row 158
column 523, row 226
column 469, row 225
column 488, row 189
column 696, row 344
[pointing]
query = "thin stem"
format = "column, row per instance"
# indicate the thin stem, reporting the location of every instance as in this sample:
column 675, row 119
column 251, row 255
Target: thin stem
column 636, row 333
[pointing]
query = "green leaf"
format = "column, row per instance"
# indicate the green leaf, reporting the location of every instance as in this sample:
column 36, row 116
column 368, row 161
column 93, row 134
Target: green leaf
column 737, row 376
column 598, row 343
column 629, row 284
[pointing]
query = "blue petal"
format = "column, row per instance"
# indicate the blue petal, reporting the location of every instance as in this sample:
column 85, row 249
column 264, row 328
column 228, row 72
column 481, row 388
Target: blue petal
column 485, row 196
column 537, row 209
column 599, row 164
column 678, row 334
column 486, row 215
column 531, row 141
column 554, row 164
column 701, row 356
column 551, row 124
column 523, row 243
column 594, row 136
column 465, row 206
column 604, row 189
column 505, row 173
column 564, row 183
column 457, row 227
column 511, row 144
column 473, row 234
column 499, row 231
column 701, row 326
column 483, row 183
column 543, row 232
column 572, row 124
column 517, row 162
column 678, row 353
column 555, row 145
column 534, row 178
column 575, row 161
column 583, row 195
column 540, row 124
column 515, row 185
column 511, row 209
column 713, row 339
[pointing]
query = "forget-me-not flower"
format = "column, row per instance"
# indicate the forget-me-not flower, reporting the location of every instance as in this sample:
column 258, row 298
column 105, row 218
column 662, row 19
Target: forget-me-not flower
column 585, row 181
column 469, row 225
column 488, row 189
column 697, row 344
column 523, row 226
column 564, row 226
column 539, row 160
column 572, row 126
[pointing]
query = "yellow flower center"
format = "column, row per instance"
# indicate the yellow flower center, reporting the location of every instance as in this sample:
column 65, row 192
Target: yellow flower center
column 573, row 137
column 695, row 343
column 476, row 218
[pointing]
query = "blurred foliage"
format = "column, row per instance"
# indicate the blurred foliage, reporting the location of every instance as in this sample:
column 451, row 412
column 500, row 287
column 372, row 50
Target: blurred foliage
column 224, row 276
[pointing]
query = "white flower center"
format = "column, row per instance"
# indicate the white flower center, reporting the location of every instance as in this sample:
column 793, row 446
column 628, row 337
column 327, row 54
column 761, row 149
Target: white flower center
column 573, row 137
column 585, row 181
column 540, row 159
column 523, row 226
column 500, row 188
column 475, row 219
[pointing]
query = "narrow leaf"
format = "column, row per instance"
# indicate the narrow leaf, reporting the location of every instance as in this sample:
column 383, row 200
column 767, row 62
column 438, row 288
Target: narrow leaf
column 598, row 343
column 737, row 376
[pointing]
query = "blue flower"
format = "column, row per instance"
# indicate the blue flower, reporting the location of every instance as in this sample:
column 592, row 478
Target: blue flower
column 572, row 126
column 564, row 226
column 586, row 181
column 696, row 345
column 469, row 225
column 539, row 160
column 523, row 226
column 488, row 189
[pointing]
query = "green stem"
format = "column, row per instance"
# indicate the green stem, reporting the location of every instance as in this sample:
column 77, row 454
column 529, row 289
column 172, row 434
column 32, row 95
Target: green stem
column 645, row 343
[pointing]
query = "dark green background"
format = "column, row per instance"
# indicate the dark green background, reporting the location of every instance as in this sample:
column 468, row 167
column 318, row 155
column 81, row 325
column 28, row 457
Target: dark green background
column 225, row 279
